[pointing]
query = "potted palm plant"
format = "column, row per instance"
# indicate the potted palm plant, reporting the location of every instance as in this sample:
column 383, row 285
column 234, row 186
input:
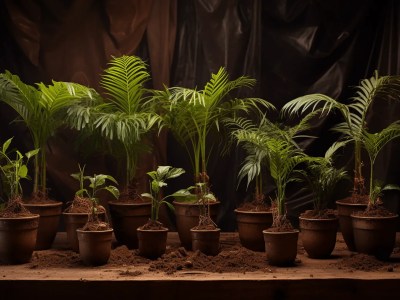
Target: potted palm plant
column 124, row 119
column 75, row 215
column 375, row 228
column 191, row 115
column 376, row 88
column 18, row 226
column 153, row 235
column 319, row 226
column 43, row 110
column 95, row 236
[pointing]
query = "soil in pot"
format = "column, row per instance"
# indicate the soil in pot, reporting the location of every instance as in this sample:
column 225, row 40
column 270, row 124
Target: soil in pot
column 18, row 231
column 345, row 208
column 152, row 239
column 50, row 214
column 126, row 216
column 375, row 231
column 318, row 232
column 187, row 217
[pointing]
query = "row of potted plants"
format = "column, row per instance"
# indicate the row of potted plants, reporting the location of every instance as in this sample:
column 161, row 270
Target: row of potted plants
column 130, row 114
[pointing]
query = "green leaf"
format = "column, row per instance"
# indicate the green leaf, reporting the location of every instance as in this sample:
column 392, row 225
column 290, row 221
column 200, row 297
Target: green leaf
column 31, row 153
column 7, row 144
column 113, row 190
column 23, row 171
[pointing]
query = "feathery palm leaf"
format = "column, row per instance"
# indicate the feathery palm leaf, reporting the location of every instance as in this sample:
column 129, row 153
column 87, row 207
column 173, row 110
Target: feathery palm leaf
column 43, row 110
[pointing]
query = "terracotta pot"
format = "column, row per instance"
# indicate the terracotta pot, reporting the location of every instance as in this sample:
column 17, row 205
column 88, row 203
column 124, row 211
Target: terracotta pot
column 250, row 228
column 74, row 221
column 152, row 243
column 375, row 235
column 18, row 239
column 281, row 247
column 206, row 241
column 345, row 209
column 187, row 217
column 126, row 218
column 94, row 246
column 50, row 214
column 318, row 236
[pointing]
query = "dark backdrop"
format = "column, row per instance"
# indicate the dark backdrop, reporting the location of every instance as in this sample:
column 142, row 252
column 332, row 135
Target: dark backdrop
column 292, row 48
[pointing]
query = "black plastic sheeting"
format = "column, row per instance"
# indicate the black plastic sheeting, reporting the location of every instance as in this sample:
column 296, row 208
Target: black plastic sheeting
column 292, row 48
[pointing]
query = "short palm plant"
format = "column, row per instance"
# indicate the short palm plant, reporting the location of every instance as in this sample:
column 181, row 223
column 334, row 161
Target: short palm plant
column 43, row 109
column 354, row 115
column 13, row 171
column 281, row 156
column 97, row 184
column 248, row 134
column 191, row 115
column 322, row 177
column 124, row 116
column 159, row 178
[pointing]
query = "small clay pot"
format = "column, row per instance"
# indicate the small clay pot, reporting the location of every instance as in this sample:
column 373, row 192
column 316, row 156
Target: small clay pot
column 152, row 243
column 318, row 236
column 206, row 240
column 281, row 247
column 94, row 246
column 18, row 239
column 375, row 235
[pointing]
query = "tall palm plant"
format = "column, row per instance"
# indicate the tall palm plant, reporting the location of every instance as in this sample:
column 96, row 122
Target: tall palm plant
column 124, row 115
column 191, row 115
column 43, row 109
column 354, row 114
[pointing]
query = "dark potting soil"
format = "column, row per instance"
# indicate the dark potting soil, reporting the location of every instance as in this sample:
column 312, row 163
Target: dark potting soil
column 319, row 214
column 375, row 211
column 82, row 205
column 232, row 258
column 254, row 206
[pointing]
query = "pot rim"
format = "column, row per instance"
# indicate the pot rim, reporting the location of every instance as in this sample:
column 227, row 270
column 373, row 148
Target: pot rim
column 374, row 217
column 252, row 212
column 34, row 216
column 116, row 203
column 319, row 220
column 94, row 231
column 205, row 230
column 52, row 204
column 294, row 231
column 175, row 202
column 152, row 230
column 342, row 202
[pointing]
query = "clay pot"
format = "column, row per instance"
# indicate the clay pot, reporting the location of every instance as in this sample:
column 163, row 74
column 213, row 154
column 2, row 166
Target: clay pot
column 250, row 228
column 344, row 209
column 74, row 221
column 206, row 240
column 126, row 218
column 152, row 243
column 281, row 247
column 94, row 246
column 318, row 236
column 187, row 217
column 18, row 239
column 49, row 220
column 375, row 235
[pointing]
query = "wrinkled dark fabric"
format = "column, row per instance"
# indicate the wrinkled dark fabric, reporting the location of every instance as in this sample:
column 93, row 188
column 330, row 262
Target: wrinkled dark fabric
column 292, row 48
